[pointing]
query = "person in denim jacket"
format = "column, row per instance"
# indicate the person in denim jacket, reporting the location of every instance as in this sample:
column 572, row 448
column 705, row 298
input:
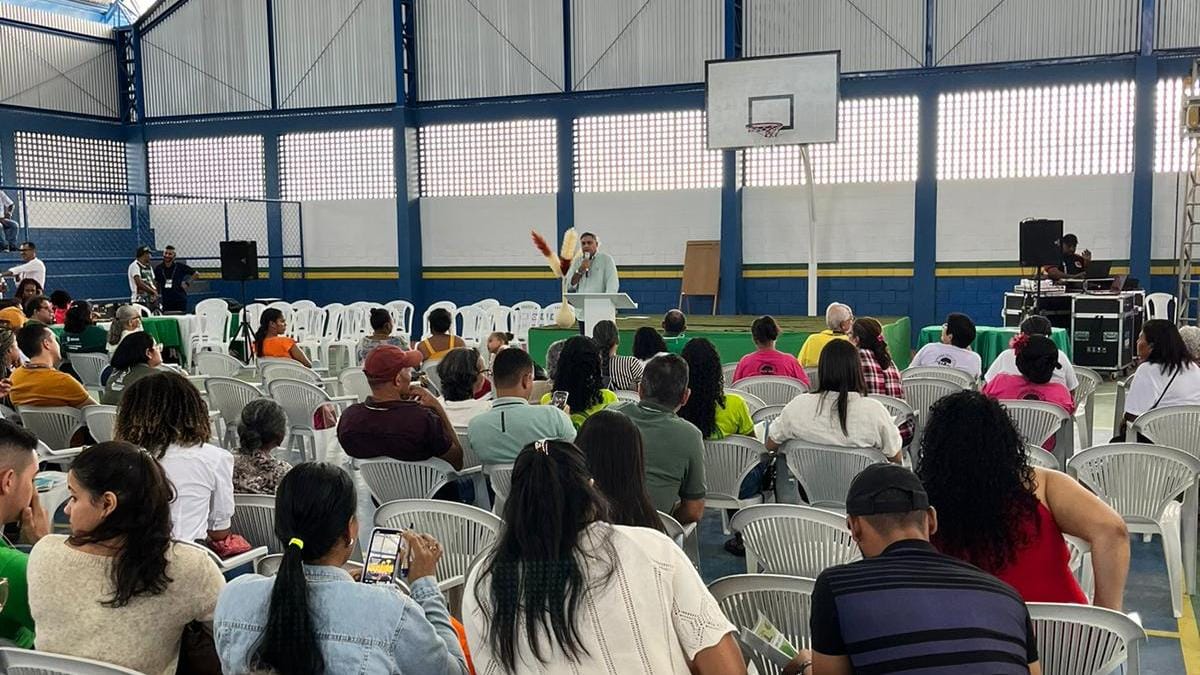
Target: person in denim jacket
column 313, row 616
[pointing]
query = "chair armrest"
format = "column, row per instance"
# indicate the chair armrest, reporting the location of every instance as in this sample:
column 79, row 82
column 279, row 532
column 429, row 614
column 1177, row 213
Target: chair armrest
column 66, row 452
column 247, row 558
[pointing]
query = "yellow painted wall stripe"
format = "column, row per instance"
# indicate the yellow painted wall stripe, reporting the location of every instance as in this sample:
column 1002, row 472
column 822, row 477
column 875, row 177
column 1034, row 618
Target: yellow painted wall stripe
column 1171, row 635
column 1189, row 638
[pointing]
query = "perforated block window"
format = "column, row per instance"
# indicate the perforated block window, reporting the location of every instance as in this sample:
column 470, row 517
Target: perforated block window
column 72, row 163
column 489, row 158
column 651, row 151
column 1172, row 150
column 222, row 167
column 356, row 164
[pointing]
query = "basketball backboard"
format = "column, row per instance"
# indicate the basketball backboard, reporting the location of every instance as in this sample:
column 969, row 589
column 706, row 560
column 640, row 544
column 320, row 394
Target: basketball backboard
column 772, row 100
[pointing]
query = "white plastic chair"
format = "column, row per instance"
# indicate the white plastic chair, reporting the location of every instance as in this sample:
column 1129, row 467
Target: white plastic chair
column 211, row 304
column 210, row 330
column 253, row 314
column 770, row 389
column 254, row 519
column 1080, row 563
column 501, row 319
column 1038, row 422
column 1039, row 456
column 825, row 471
column 228, row 396
column 753, row 403
column 1176, row 426
column 921, row 393
column 1142, row 482
column 303, row 304
column 231, row 563
column 291, row 370
column 89, row 367
column 626, row 395
column 526, row 314
column 1085, row 640
column 1159, row 305
column 767, row 413
column 468, row 324
column 487, row 304
column 900, row 409
column 464, row 532
column 939, row 373
column 794, row 539
column 53, row 425
column 391, row 479
column 687, row 537
column 500, row 478
column 309, row 329
column 100, row 420
column 300, row 401
column 16, row 661
column 353, row 381
column 472, row 469
column 727, row 462
column 1085, row 403
column 727, row 371
column 402, row 312
column 550, row 313
column 268, row 566
column 443, row 304
column 217, row 364
column 785, row 600
column 1119, row 407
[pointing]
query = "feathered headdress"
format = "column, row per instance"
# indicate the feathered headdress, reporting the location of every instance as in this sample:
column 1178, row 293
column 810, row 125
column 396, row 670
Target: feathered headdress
column 559, row 264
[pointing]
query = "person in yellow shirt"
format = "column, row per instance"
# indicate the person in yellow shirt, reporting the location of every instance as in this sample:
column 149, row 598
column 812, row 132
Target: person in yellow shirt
column 839, row 318
column 578, row 374
column 38, row 383
column 714, row 411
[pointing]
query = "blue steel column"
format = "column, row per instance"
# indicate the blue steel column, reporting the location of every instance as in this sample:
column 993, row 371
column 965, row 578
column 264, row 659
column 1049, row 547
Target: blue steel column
column 1142, row 215
column 924, row 283
column 409, row 262
column 274, row 215
column 731, row 283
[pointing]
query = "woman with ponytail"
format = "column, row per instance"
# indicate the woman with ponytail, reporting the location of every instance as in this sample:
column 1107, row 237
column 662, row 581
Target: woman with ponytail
column 118, row 589
column 271, row 339
column 313, row 617
column 1037, row 360
column 565, row 590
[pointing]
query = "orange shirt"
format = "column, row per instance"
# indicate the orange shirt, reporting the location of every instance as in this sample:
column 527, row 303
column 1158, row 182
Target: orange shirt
column 47, row 387
column 279, row 347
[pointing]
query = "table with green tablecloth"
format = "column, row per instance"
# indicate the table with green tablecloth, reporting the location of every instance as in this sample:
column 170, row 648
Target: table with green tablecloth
column 168, row 331
column 991, row 341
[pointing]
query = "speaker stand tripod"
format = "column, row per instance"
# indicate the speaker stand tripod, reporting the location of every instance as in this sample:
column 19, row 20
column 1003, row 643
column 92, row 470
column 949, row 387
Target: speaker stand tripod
column 245, row 334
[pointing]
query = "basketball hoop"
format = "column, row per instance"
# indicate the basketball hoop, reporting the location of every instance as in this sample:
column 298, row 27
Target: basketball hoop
column 765, row 129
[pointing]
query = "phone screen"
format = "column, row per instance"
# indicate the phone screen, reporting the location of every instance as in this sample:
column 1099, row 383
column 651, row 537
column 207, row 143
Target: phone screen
column 387, row 557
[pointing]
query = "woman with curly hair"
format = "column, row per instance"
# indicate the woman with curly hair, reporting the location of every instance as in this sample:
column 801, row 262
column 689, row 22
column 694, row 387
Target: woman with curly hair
column 715, row 413
column 578, row 374
column 1006, row 517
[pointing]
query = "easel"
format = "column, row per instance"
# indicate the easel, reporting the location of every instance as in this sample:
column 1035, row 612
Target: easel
column 701, row 271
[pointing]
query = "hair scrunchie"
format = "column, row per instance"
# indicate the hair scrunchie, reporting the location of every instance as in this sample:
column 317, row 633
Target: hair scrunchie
column 1018, row 343
column 297, row 542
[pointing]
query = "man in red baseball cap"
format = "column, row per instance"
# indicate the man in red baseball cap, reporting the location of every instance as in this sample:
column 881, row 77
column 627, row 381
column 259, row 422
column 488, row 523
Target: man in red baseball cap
column 397, row 420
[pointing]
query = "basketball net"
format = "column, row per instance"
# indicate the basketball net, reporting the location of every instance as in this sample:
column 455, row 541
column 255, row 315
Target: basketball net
column 765, row 129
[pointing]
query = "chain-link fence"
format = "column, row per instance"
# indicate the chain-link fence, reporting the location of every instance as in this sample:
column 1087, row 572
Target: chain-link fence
column 87, row 238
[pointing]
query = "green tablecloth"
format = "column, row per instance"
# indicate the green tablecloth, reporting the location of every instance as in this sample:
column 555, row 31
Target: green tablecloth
column 732, row 345
column 990, row 341
column 164, row 329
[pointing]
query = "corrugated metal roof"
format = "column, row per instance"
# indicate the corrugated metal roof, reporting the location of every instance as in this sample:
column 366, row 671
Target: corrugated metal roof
column 1178, row 24
column 871, row 34
column 40, row 17
column 56, row 72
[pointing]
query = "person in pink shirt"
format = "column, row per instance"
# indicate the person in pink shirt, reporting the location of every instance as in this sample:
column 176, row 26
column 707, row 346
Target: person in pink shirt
column 1037, row 359
column 765, row 359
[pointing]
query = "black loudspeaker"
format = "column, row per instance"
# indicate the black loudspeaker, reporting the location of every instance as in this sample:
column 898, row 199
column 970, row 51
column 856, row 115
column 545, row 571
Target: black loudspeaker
column 239, row 260
column 1040, row 242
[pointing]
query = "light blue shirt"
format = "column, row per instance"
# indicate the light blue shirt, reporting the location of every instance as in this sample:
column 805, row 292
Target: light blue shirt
column 498, row 435
column 361, row 628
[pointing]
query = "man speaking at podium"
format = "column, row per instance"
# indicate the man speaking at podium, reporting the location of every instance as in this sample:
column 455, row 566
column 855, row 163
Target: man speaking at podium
column 592, row 272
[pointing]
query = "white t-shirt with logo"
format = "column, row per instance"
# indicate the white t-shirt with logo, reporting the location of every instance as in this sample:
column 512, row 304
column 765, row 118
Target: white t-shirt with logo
column 939, row 354
column 1150, row 382
column 1007, row 363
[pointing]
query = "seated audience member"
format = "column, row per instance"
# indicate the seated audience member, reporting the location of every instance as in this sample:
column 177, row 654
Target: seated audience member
column 838, row 413
column 61, row 300
column 1006, row 517
column 546, row 385
column 612, row 445
column 1168, row 374
column 578, row 374
column 839, row 318
column 39, row 309
column 647, row 343
column 27, row 289
column 619, row 371
column 313, row 617
column 878, row 367
column 19, row 503
column 164, row 415
column 262, row 427
column 437, row 345
column 878, row 610
column 611, row 598
column 462, row 373
column 397, row 420
column 13, row 317
column 1037, row 359
column 710, row 408
column 1191, row 340
column 81, row 335
column 136, row 357
column 271, row 340
column 382, row 329
column 674, row 324
column 39, row 382
column 128, row 320
column 496, row 341
column 10, row 359
column 130, row 590
column 674, row 447
column 954, row 351
column 765, row 359
column 497, row 435
column 1006, row 362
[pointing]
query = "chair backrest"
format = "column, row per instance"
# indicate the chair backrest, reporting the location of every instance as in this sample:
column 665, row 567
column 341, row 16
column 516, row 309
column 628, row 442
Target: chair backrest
column 526, row 314
column 211, row 326
column 1136, row 479
column 501, row 319
column 785, row 600
column 500, row 476
column 469, row 322
column 814, row 378
column 229, row 395
column 143, row 310
column 922, row 392
column 673, row 528
column 1037, row 421
column 753, row 403
column 333, row 320
column 470, row 457
column 727, row 371
column 795, row 539
column 299, row 400
column 253, row 314
column 550, row 313
column 767, row 413
column 391, row 479
column 100, row 420
column 825, row 471
column 268, row 566
column 463, row 531
column 53, row 425
column 355, row 322
column 1085, row 640
column 288, row 313
column 1177, row 426
column 402, row 317
column 218, row 364
column 727, row 462
column 354, row 381
column 772, row 390
column 1089, row 381
column 939, row 373
column 15, row 661
column 211, row 304
column 308, row 323
column 1039, row 456
column 444, row 304
column 89, row 367
column 1158, row 306
column 303, row 304
column 487, row 304
column 289, row 369
column 627, row 395
column 898, row 407
column 254, row 519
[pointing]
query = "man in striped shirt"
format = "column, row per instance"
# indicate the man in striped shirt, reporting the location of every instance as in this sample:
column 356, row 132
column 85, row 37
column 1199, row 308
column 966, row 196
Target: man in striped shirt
column 905, row 608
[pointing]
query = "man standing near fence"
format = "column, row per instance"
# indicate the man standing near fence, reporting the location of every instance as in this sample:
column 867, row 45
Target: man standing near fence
column 172, row 280
column 31, row 268
column 141, row 279
column 10, row 226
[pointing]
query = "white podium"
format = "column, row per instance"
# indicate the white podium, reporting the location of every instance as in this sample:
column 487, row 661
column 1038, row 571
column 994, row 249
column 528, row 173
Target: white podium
column 597, row 307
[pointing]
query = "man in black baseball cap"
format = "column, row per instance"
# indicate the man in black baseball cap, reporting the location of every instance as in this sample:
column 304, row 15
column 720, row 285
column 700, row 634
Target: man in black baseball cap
column 905, row 607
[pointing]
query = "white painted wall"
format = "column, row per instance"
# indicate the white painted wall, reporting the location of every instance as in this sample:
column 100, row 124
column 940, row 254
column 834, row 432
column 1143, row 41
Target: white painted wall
column 651, row 227
column 81, row 215
column 350, row 233
column 977, row 219
column 485, row 231
column 856, row 222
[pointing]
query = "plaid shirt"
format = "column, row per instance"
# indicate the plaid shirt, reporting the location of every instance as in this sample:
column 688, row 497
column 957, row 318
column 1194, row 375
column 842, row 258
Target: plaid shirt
column 885, row 381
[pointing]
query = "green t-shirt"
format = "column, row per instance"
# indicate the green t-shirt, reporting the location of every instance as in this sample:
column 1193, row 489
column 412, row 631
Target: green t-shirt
column 674, row 454
column 607, row 398
column 676, row 344
column 16, row 623
column 733, row 419
column 93, row 340
column 121, row 380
